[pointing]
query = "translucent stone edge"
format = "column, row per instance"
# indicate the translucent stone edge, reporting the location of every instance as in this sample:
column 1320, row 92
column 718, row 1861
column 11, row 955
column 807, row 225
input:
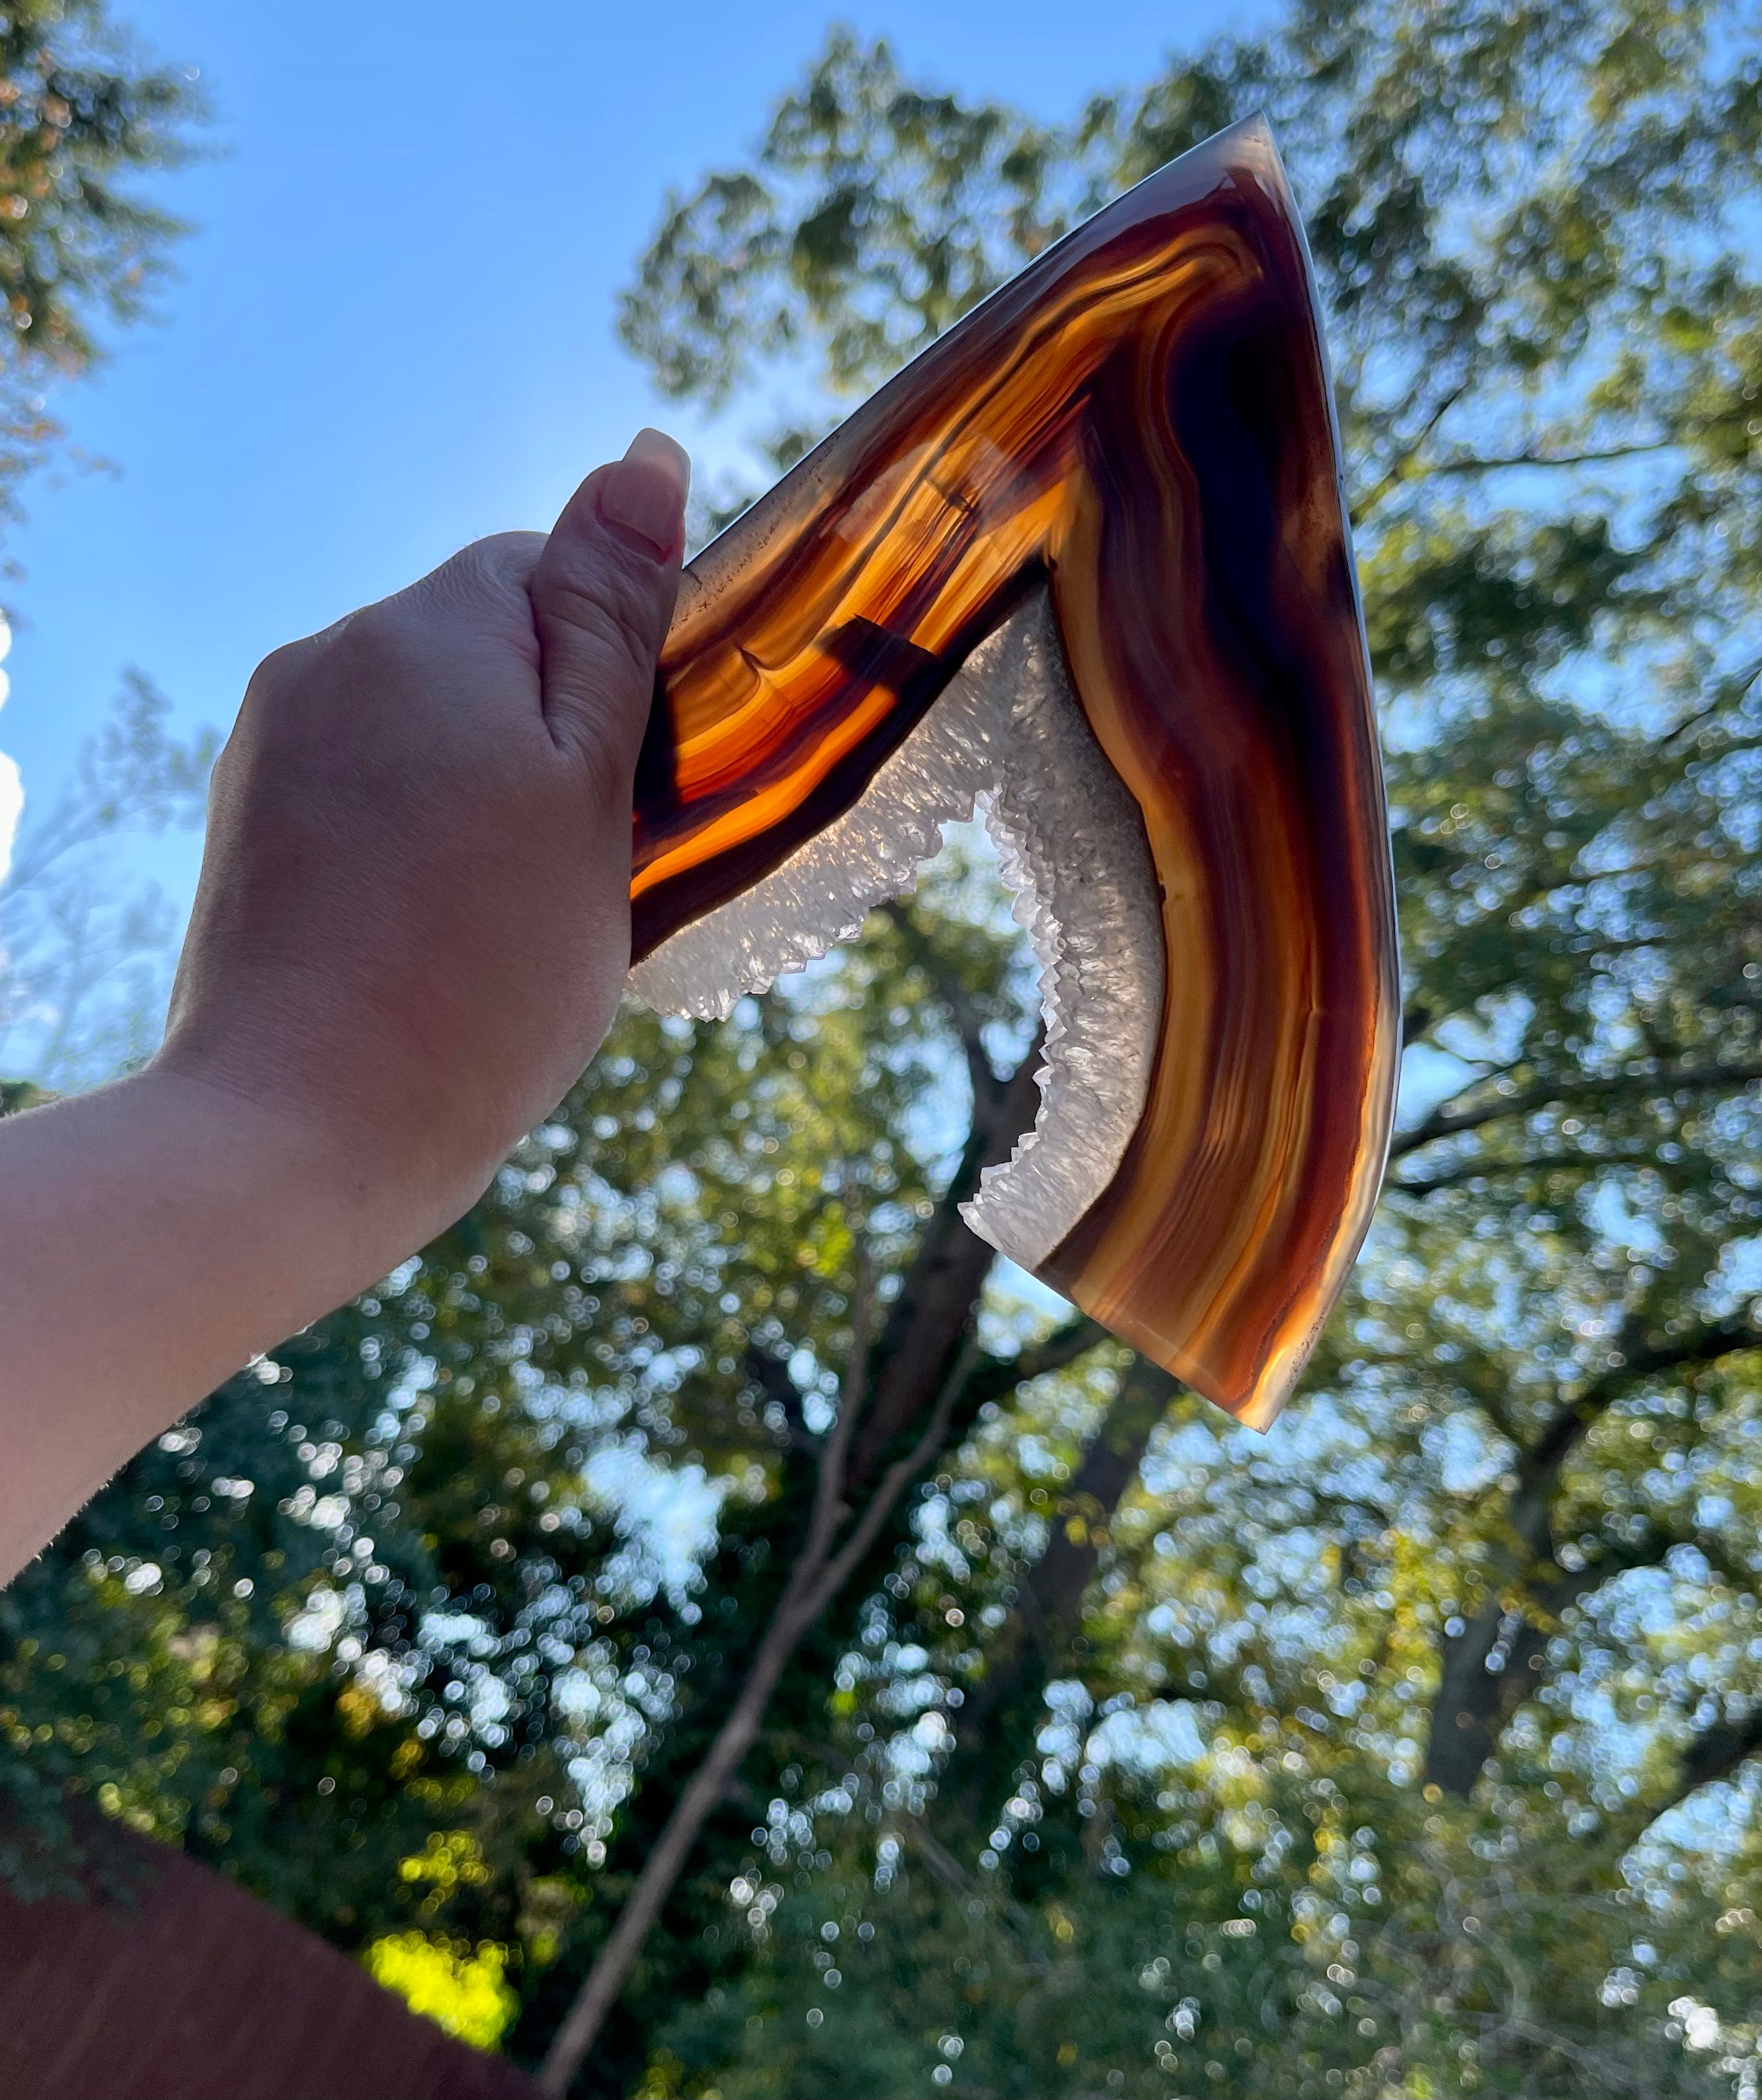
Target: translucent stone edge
column 1007, row 736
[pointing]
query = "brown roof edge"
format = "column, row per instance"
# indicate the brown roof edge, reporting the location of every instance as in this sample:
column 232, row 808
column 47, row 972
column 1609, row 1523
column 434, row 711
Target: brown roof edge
column 169, row 1982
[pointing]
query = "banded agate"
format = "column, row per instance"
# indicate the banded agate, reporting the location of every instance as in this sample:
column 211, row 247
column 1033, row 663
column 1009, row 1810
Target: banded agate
column 1084, row 564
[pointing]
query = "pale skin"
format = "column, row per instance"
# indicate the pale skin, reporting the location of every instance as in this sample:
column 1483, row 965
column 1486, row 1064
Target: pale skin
column 409, row 936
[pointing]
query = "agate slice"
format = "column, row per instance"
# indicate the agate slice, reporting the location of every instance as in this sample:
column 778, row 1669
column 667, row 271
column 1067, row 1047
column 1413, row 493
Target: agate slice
column 1082, row 564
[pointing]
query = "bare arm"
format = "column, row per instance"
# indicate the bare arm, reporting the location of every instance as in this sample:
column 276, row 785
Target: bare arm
column 409, row 936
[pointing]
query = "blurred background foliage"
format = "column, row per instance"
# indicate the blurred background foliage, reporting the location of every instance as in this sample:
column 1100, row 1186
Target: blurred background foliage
column 83, row 116
column 81, row 113
column 1410, row 1750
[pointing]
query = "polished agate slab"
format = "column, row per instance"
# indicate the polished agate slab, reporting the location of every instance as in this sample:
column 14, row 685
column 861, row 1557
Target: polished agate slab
column 1084, row 565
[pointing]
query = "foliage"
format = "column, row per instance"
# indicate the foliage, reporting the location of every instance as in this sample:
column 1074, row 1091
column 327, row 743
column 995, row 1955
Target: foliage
column 459, row 1987
column 80, row 114
column 83, row 953
column 1406, row 1751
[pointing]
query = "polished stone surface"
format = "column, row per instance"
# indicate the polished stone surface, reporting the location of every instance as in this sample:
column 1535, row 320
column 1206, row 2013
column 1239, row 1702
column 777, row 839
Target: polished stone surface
column 1141, row 424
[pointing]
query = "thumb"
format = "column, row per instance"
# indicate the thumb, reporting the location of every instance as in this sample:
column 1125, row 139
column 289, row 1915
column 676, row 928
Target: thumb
column 602, row 593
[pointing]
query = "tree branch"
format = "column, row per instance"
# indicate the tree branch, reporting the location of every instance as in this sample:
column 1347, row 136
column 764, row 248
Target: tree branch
column 828, row 1485
column 1716, row 1753
column 1446, row 1122
column 996, row 1376
column 1488, row 1670
column 1466, row 463
column 771, row 1376
column 951, row 993
column 1542, row 1163
column 1035, row 1637
column 1415, row 1021
column 814, row 1582
column 931, row 1316
column 1709, row 1346
column 948, row 1870
column 927, row 1346
column 1396, row 474
column 1733, row 690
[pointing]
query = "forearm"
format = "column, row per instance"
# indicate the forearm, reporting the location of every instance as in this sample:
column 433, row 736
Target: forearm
column 409, row 935
column 158, row 1234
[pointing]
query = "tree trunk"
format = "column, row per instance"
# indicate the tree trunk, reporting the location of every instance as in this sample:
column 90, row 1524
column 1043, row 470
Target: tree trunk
column 995, row 1728
column 939, row 1298
column 1489, row 1667
column 902, row 1405
column 1486, row 1674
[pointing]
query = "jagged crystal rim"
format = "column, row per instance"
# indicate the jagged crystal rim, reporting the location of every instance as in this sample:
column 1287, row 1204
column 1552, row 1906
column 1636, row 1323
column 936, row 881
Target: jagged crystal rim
column 1007, row 736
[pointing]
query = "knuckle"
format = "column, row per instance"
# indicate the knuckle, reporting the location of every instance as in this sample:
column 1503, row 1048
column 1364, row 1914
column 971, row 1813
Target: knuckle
column 223, row 776
column 509, row 555
column 487, row 574
column 283, row 666
column 360, row 655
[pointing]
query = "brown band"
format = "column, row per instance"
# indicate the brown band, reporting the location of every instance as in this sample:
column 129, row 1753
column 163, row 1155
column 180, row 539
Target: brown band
column 1142, row 417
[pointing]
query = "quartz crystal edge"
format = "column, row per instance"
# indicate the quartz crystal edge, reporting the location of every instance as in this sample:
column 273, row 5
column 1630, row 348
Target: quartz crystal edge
column 1008, row 736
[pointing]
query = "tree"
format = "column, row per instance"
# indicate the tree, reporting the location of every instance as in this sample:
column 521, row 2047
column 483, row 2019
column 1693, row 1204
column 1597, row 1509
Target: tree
column 1544, row 316
column 83, row 975
column 1407, row 1750
column 79, row 115
column 300, row 1613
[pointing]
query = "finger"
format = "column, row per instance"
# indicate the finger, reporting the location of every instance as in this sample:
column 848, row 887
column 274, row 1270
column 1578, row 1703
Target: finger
column 602, row 593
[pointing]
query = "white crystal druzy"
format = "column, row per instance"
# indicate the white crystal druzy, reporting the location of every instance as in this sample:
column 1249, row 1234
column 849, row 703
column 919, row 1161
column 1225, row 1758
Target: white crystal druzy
column 1007, row 736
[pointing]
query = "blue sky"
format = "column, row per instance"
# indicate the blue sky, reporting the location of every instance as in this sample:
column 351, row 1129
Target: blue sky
column 391, row 330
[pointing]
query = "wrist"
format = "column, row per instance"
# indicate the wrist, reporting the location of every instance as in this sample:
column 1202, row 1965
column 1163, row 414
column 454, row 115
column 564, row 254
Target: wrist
column 362, row 1197
column 219, row 1223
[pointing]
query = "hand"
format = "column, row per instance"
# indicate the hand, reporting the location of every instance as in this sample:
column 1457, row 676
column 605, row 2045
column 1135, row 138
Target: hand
column 410, row 933
column 412, row 923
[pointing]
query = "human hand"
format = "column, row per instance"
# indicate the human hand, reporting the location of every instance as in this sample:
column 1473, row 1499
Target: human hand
column 410, row 933
column 412, row 923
